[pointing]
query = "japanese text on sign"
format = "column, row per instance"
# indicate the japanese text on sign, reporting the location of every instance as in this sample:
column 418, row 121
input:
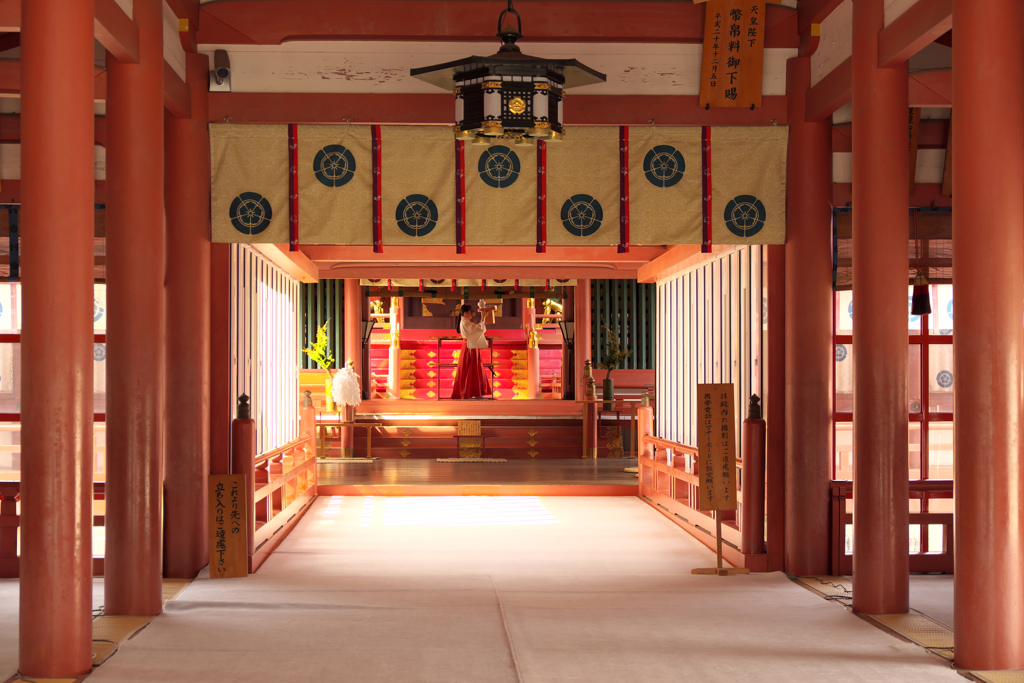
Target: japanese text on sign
column 717, row 447
column 733, row 61
column 229, row 554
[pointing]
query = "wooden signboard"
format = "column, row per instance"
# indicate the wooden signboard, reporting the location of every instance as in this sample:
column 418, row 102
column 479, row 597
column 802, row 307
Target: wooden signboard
column 732, row 67
column 716, row 445
column 229, row 556
column 716, row 441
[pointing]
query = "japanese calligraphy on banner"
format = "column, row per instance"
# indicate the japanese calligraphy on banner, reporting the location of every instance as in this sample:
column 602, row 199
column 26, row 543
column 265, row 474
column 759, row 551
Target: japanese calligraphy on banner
column 733, row 63
column 229, row 556
column 716, row 443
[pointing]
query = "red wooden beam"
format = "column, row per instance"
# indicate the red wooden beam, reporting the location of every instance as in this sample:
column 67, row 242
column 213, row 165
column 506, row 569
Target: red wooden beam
column 507, row 255
column 117, row 32
column 440, row 109
column 932, row 134
column 9, row 41
column 177, row 97
column 814, row 12
column 10, row 15
column 925, row 195
column 831, row 92
column 931, row 88
column 10, row 192
column 921, row 25
column 10, row 129
column 271, row 22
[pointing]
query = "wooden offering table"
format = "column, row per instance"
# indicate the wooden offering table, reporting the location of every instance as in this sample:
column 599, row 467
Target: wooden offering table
column 322, row 426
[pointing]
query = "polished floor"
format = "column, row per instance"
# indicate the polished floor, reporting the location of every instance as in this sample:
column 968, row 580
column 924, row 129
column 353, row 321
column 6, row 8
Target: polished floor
column 502, row 590
column 427, row 471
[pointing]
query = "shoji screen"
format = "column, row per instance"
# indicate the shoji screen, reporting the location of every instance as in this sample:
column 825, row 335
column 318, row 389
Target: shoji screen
column 710, row 328
column 265, row 345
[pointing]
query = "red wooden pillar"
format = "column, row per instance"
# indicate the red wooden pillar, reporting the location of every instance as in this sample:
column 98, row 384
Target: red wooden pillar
column 532, row 352
column 583, row 343
column 187, row 445
column 55, row 630
column 775, row 402
column 135, row 335
column 988, row 262
column 808, row 330
column 221, row 399
column 353, row 352
column 881, row 564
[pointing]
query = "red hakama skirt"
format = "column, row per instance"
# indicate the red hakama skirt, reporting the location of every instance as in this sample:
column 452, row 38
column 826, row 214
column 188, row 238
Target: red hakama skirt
column 470, row 378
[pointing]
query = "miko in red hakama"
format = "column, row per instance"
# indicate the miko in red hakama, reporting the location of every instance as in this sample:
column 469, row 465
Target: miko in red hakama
column 471, row 380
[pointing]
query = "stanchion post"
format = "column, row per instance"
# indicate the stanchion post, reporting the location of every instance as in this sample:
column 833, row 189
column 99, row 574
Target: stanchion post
column 645, row 425
column 243, row 461
column 754, row 440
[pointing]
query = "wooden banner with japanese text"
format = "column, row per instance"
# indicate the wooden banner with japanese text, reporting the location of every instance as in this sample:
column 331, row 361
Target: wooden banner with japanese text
column 733, row 63
column 716, row 443
column 229, row 556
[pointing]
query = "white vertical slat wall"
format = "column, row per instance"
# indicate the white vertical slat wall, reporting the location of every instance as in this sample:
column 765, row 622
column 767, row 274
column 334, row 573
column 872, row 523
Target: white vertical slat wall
column 265, row 345
column 711, row 322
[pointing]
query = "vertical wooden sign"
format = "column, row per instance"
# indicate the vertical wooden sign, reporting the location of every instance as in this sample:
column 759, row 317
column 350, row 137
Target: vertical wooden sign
column 229, row 556
column 915, row 127
column 716, row 441
column 732, row 67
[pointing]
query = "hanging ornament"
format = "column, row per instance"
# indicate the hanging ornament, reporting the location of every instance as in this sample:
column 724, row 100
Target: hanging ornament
column 921, row 302
column 389, row 284
column 515, row 286
column 421, row 285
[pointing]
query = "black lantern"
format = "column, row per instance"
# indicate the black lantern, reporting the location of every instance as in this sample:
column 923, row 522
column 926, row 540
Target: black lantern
column 568, row 329
column 508, row 95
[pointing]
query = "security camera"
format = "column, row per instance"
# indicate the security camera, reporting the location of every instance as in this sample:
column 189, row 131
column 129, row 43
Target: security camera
column 220, row 77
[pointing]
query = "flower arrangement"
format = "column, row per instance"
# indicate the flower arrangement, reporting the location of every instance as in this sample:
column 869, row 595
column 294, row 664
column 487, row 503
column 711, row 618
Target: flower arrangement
column 614, row 355
column 319, row 350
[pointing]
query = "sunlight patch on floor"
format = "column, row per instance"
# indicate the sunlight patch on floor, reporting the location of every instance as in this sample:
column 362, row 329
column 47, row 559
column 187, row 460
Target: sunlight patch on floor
column 466, row 511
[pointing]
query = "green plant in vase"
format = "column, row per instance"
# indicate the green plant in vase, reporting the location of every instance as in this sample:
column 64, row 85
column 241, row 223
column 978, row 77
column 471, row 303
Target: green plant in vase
column 320, row 353
column 610, row 359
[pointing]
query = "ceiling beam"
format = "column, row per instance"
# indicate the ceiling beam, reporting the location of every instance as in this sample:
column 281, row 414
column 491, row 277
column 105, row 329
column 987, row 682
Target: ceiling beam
column 664, row 110
column 177, row 96
column 831, row 92
column 933, row 88
column 272, row 22
column 925, row 195
column 10, row 15
column 117, row 32
column 295, row 263
column 932, row 134
column 921, row 25
column 813, row 12
column 10, row 130
column 10, row 192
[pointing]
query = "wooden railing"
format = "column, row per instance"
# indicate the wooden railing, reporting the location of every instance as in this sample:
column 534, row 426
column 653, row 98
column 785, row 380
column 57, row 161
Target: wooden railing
column 284, row 485
column 929, row 559
column 675, row 489
column 10, row 521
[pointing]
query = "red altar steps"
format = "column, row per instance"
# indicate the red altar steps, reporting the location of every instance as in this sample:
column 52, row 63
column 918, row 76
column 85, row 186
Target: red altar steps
column 505, row 438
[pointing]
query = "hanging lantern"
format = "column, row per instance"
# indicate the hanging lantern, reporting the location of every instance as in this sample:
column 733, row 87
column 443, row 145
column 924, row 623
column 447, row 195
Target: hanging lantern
column 921, row 302
column 508, row 95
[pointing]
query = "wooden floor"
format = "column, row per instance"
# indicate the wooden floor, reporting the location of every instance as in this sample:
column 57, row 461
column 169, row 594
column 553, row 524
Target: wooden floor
column 552, row 477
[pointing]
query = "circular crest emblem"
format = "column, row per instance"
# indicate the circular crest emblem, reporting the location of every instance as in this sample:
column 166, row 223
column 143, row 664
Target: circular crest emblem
column 944, row 379
column 841, row 353
column 949, row 309
column 582, row 215
column 250, row 213
column 416, row 215
column 97, row 310
column 499, row 166
column 334, row 165
column 664, row 166
column 744, row 215
column 99, row 352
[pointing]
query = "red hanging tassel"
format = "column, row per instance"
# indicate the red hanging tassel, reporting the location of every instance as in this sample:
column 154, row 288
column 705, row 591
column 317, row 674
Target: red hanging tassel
column 421, row 285
column 515, row 287
column 921, row 302
column 547, row 285
column 453, row 285
column 389, row 284
column 483, row 285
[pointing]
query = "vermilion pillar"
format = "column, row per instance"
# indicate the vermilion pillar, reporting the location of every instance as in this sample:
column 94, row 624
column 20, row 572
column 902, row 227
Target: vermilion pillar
column 808, row 330
column 221, row 400
column 583, row 343
column 55, row 630
column 187, row 445
column 775, row 402
column 988, row 263
column 135, row 335
column 881, row 564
